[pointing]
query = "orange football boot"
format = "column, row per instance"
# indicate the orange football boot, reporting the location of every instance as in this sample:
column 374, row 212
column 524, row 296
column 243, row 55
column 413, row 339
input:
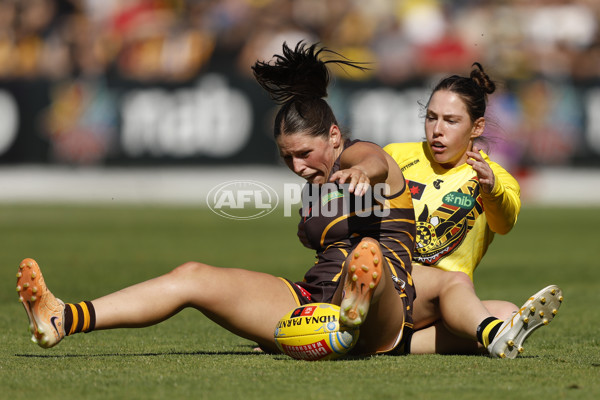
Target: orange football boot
column 363, row 275
column 45, row 312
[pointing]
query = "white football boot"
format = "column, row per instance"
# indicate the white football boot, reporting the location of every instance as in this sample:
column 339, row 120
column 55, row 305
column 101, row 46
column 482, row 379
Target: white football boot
column 538, row 311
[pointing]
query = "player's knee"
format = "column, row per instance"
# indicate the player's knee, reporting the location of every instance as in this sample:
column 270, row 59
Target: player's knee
column 453, row 279
column 189, row 269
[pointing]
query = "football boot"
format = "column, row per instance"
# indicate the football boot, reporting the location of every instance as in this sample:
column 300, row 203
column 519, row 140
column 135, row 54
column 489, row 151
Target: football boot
column 537, row 311
column 364, row 269
column 45, row 312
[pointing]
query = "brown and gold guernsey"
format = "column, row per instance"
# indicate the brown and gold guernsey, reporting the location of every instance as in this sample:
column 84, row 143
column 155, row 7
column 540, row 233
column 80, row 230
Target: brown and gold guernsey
column 334, row 223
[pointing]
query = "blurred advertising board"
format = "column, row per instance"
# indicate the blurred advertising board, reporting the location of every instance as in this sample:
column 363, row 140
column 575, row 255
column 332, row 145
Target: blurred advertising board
column 225, row 118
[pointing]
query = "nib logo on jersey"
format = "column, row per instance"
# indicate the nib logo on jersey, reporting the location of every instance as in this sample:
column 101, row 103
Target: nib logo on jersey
column 458, row 199
column 242, row 200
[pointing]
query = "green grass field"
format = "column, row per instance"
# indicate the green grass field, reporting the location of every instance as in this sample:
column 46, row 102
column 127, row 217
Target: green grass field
column 89, row 251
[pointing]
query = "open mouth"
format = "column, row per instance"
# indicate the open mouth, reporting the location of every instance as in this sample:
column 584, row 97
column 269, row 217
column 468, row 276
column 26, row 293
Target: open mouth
column 437, row 147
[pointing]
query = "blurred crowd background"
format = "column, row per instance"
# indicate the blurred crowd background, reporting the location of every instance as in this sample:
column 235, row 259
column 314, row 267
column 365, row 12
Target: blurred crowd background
column 169, row 81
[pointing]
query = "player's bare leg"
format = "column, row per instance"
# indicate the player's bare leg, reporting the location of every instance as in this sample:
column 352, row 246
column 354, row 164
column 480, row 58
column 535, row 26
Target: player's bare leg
column 438, row 339
column 247, row 303
column 447, row 296
column 451, row 298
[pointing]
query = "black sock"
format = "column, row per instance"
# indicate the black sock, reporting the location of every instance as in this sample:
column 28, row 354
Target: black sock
column 79, row 317
column 486, row 331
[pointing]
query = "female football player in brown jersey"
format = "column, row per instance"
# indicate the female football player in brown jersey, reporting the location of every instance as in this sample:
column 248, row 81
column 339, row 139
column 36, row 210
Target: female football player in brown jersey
column 362, row 229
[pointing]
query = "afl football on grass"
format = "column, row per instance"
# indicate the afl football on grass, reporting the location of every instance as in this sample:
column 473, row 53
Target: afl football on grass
column 312, row 332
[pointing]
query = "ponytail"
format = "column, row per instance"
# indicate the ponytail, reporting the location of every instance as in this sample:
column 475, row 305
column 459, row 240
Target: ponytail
column 298, row 81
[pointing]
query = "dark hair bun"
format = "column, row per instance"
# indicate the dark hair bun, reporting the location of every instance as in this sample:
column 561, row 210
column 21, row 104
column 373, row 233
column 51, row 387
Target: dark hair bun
column 482, row 79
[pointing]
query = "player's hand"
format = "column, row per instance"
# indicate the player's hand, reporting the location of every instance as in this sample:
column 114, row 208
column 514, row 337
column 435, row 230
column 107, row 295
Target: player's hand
column 483, row 170
column 358, row 180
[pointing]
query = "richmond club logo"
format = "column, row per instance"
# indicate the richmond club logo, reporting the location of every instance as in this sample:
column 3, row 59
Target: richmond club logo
column 242, row 200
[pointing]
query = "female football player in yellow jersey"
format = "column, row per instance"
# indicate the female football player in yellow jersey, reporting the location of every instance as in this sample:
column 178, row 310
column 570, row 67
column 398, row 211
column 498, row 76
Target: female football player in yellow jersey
column 364, row 256
column 461, row 200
